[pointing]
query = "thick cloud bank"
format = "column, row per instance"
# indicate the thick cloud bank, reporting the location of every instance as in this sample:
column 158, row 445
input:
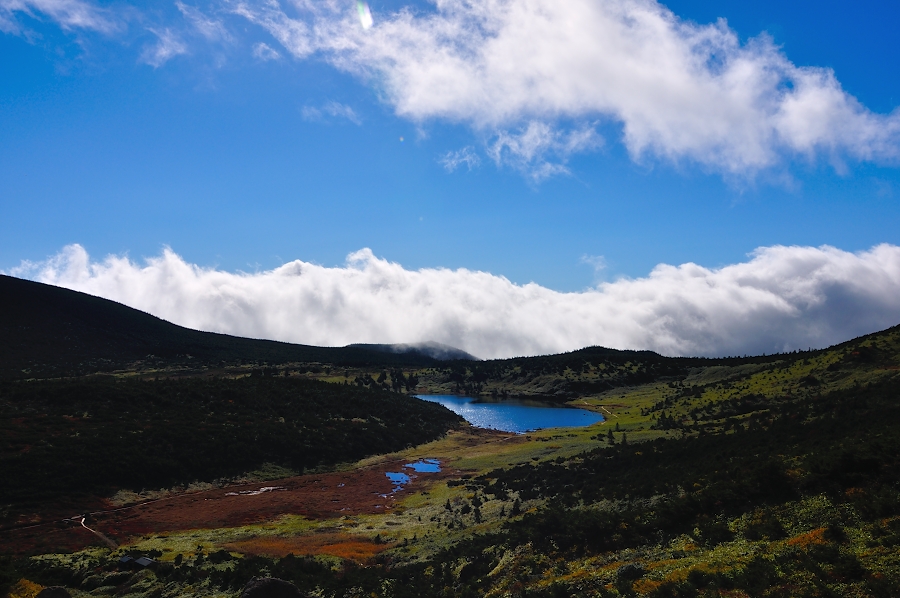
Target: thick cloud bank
column 781, row 299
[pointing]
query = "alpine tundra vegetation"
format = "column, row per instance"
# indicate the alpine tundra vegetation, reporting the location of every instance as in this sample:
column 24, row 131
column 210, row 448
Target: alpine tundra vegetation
column 769, row 475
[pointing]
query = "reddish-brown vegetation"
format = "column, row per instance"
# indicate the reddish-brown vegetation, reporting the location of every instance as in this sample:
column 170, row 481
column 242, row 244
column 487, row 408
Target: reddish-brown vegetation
column 345, row 546
column 317, row 496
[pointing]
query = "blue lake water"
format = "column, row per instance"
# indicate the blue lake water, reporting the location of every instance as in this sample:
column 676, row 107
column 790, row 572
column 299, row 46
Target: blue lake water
column 514, row 416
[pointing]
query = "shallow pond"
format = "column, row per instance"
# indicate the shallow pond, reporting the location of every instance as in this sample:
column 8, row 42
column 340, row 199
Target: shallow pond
column 399, row 479
column 514, row 416
column 425, row 466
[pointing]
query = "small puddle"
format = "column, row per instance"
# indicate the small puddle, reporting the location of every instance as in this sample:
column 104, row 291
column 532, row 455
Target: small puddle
column 255, row 492
column 425, row 466
column 400, row 479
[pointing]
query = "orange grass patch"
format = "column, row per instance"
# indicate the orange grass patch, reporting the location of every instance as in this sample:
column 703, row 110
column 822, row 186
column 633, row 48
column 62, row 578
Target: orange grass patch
column 645, row 586
column 680, row 575
column 663, row 563
column 345, row 546
column 611, row 566
column 25, row 589
column 817, row 536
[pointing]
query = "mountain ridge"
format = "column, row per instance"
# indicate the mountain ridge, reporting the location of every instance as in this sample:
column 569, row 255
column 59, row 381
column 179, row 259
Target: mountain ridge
column 49, row 331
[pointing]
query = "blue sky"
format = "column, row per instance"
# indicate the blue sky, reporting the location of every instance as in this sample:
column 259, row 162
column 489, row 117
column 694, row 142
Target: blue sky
column 244, row 136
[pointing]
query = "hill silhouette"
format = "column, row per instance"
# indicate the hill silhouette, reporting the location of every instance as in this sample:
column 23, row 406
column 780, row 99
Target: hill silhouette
column 48, row 331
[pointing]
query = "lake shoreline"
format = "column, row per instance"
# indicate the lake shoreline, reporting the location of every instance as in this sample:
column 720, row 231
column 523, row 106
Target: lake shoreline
column 514, row 415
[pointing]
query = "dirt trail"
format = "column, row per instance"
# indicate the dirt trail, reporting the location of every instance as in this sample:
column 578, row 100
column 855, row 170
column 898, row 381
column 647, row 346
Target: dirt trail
column 112, row 545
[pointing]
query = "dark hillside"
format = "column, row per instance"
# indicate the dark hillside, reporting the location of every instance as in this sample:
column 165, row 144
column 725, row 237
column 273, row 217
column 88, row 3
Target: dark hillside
column 595, row 370
column 64, row 438
column 47, row 331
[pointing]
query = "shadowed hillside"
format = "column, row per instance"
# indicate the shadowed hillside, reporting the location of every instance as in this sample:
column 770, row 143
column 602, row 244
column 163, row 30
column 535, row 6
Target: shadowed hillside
column 48, row 331
column 66, row 438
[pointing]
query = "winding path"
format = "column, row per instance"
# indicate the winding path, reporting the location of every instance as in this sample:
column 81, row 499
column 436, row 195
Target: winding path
column 105, row 539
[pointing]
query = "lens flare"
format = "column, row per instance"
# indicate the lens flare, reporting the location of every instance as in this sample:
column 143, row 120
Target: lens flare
column 365, row 15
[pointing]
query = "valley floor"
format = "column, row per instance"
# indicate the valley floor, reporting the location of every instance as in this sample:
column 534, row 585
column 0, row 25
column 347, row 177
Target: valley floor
column 770, row 479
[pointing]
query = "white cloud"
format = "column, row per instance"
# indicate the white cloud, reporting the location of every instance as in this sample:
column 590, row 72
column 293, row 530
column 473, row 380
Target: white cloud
column 311, row 113
column 525, row 75
column 465, row 156
column 212, row 29
column 533, row 149
column 782, row 298
column 68, row 14
column 680, row 91
column 332, row 109
column 292, row 33
column 339, row 110
column 597, row 262
column 168, row 45
column 265, row 52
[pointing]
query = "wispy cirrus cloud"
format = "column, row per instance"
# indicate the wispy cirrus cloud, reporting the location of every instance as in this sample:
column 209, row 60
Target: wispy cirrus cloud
column 294, row 34
column 67, row 14
column 263, row 51
column 462, row 157
column 210, row 28
column 781, row 298
column 168, row 45
column 330, row 110
column 597, row 262
column 540, row 150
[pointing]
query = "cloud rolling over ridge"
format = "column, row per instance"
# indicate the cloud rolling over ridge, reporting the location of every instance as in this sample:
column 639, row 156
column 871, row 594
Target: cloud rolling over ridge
column 782, row 298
